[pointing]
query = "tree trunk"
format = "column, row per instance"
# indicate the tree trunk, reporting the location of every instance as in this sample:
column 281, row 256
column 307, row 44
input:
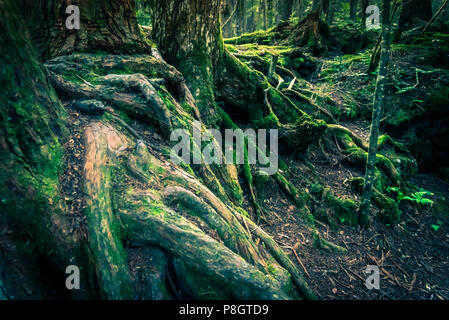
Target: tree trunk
column 353, row 10
column 104, row 25
column 325, row 5
column 377, row 114
column 285, row 9
column 363, row 5
column 299, row 9
column 194, row 48
column 242, row 22
column 265, row 14
column 33, row 128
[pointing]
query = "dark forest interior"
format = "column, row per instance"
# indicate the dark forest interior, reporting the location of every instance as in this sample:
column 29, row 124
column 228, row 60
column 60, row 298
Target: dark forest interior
column 355, row 92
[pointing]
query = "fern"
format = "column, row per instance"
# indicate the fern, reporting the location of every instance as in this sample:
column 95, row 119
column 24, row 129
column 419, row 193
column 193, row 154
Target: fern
column 420, row 197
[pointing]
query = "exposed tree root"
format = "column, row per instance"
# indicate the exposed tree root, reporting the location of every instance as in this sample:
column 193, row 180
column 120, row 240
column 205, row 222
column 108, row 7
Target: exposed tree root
column 148, row 219
column 142, row 98
column 356, row 150
column 208, row 239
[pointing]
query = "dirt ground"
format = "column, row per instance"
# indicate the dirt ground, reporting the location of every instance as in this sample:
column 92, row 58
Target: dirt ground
column 412, row 257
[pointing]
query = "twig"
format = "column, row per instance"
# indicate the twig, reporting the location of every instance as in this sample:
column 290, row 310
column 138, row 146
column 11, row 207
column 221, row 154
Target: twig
column 435, row 16
column 299, row 260
column 230, row 17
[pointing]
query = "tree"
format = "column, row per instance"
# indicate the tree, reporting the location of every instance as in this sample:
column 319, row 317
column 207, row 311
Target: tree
column 377, row 114
column 242, row 22
column 105, row 25
column 194, row 48
column 215, row 258
column 353, row 10
column 363, row 5
column 285, row 9
column 299, row 8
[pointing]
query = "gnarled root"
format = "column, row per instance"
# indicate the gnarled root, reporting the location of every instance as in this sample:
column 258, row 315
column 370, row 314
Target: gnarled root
column 173, row 211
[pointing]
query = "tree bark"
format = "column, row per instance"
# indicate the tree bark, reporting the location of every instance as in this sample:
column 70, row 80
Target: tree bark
column 242, row 22
column 363, row 5
column 104, row 25
column 194, row 48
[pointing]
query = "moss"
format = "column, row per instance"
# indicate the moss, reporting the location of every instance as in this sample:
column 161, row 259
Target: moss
column 300, row 199
column 345, row 210
column 260, row 37
column 269, row 122
column 389, row 213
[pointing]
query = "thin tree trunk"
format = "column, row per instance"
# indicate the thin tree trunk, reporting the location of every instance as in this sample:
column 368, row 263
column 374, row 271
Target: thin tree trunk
column 353, row 10
column 377, row 113
column 363, row 5
column 193, row 48
column 436, row 15
column 299, row 8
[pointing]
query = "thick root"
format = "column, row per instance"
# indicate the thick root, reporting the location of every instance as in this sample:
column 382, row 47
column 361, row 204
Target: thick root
column 194, row 235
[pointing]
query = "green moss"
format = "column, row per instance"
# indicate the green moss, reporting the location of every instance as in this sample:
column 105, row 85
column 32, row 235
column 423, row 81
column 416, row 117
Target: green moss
column 389, row 213
column 269, row 122
column 260, row 37
column 345, row 210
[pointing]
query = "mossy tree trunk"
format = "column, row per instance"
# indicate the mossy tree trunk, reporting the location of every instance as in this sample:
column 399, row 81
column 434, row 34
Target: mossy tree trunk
column 33, row 127
column 104, row 25
column 285, row 9
column 135, row 199
column 377, row 114
column 363, row 5
column 194, row 48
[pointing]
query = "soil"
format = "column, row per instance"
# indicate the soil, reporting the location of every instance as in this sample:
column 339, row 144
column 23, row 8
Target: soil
column 413, row 258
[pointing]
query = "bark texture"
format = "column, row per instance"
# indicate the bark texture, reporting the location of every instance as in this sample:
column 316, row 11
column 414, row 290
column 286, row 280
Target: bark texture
column 105, row 25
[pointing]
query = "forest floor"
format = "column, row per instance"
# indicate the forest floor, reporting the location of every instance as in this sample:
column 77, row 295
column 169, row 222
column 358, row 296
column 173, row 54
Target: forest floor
column 413, row 256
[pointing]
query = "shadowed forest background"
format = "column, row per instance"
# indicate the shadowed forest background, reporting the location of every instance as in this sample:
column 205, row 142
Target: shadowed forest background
column 86, row 176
